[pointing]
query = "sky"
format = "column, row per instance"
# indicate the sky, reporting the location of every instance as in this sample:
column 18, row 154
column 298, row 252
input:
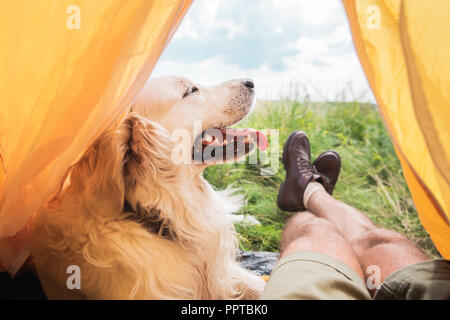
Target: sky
column 290, row 48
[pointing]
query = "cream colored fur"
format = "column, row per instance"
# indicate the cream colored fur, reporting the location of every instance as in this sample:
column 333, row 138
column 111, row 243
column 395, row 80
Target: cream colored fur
column 86, row 225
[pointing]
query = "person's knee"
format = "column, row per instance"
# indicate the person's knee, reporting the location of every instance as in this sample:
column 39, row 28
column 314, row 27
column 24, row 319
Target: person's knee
column 314, row 234
column 377, row 237
column 318, row 228
column 306, row 222
column 307, row 227
column 299, row 219
column 321, row 236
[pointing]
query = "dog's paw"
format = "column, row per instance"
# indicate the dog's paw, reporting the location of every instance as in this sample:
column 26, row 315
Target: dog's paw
column 244, row 219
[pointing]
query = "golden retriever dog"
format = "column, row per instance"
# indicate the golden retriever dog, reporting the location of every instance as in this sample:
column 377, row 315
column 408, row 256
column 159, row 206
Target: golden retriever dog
column 139, row 224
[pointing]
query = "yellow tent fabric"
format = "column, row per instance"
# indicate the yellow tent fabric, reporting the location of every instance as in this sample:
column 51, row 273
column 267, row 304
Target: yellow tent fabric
column 404, row 48
column 68, row 69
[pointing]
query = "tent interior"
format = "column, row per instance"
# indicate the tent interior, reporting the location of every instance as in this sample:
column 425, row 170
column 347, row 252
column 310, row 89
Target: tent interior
column 60, row 90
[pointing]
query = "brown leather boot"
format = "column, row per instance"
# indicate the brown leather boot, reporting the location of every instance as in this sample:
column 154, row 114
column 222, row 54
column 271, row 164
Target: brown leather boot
column 328, row 165
column 299, row 172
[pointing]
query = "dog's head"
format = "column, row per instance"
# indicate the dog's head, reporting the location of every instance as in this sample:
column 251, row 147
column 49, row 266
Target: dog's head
column 134, row 161
column 176, row 102
column 198, row 116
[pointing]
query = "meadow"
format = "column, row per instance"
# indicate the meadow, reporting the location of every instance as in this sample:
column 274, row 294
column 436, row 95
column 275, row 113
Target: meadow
column 371, row 178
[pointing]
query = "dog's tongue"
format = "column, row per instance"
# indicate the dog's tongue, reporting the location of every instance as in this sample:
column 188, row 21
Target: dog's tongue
column 261, row 139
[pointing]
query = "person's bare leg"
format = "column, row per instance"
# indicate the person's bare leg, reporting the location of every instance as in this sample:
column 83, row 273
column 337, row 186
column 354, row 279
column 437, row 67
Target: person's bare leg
column 373, row 246
column 306, row 232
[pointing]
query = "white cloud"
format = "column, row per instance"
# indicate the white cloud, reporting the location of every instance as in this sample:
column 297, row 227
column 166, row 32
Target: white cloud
column 209, row 8
column 279, row 30
column 319, row 12
column 188, row 30
column 308, row 47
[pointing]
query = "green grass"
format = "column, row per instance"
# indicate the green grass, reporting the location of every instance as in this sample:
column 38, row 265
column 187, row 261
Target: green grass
column 371, row 177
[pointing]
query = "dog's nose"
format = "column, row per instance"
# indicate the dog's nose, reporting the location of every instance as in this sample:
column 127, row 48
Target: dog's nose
column 249, row 84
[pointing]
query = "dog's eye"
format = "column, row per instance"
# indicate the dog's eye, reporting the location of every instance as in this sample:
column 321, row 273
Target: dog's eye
column 190, row 91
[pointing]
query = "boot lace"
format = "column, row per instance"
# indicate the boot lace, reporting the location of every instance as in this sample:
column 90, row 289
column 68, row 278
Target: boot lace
column 304, row 166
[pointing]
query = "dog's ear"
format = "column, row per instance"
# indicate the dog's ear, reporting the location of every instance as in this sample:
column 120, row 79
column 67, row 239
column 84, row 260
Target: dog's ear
column 148, row 165
column 97, row 178
column 131, row 161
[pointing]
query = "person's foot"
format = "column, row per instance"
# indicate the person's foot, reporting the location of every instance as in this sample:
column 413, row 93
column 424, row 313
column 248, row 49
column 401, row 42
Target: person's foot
column 299, row 172
column 328, row 165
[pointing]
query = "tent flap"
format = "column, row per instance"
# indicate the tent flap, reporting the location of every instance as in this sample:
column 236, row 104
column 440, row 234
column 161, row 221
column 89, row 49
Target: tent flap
column 404, row 47
column 68, row 69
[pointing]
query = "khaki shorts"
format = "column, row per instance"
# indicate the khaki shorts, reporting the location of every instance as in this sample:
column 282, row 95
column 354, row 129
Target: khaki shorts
column 308, row 275
column 428, row 280
column 312, row 275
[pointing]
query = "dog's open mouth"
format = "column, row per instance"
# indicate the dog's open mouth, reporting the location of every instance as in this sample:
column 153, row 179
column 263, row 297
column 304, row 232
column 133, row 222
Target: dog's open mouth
column 227, row 144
